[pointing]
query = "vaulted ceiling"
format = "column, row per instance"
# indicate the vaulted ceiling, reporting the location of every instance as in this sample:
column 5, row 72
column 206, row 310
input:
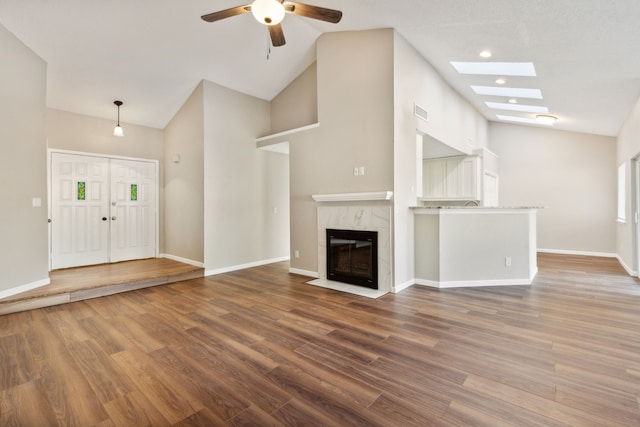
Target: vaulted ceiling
column 151, row 54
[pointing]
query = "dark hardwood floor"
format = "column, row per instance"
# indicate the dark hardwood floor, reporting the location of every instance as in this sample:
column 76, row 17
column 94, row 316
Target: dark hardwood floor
column 259, row 347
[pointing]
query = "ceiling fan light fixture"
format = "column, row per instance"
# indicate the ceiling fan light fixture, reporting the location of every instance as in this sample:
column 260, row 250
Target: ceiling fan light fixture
column 268, row 12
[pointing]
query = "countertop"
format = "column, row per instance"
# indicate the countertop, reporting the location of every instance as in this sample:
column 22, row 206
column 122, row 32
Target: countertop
column 476, row 207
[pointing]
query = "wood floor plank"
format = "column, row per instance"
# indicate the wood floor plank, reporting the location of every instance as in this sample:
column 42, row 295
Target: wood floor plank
column 260, row 347
column 25, row 405
column 165, row 393
column 68, row 393
column 461, row 415
column 134, row 409
column 16, row 362
column 550, row 409
column 243, row 383
column 254, row 416
column 106, row 381
column 297, row 413
column 217, row 398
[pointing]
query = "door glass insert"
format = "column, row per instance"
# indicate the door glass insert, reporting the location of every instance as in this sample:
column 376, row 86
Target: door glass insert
column 82, row 190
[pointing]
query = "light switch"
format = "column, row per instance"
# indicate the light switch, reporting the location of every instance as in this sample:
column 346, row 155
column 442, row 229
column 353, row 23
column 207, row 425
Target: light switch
column 36, row 202
column 361, row 170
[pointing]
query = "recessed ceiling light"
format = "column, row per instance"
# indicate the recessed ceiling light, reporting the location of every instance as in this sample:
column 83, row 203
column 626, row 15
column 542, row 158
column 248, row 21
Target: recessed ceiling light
column 513, row 101
column 517, row 107
column 523, row 69
column 516, row 119
column 485, row 54
column 545, row 119
column 513, row 92
column 501, row 81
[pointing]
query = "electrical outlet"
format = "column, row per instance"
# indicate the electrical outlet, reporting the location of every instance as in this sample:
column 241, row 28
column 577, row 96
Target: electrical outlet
column 296, row 253
column 507, row 261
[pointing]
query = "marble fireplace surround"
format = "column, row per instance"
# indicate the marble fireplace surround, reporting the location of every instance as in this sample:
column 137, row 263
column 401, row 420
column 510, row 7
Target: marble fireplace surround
column 369, row 211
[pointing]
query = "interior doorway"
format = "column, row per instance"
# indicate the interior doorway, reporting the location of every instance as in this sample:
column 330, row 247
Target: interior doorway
column 102, row 209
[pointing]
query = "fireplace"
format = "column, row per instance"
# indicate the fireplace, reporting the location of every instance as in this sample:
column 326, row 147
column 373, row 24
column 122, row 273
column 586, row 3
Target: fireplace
column 352, row 257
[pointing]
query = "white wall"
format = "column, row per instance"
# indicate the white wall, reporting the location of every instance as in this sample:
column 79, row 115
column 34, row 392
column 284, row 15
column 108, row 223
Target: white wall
column 23, row 245
column 572, row 175
column 468, row 248
column 452, row 120
column 628, row 149
column 240, row 188
column 184, row 181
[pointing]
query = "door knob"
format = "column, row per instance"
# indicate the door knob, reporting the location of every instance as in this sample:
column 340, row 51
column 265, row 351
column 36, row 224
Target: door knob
column 113, row 218
column 104, row 218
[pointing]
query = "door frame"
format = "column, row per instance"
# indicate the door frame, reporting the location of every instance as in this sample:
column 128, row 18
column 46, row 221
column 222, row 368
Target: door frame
column 156, row 164
column 633, row 200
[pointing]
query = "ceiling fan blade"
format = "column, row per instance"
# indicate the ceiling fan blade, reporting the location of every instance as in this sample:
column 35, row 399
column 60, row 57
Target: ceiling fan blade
column 227, row 13
column 277, row 35
column 315, row 12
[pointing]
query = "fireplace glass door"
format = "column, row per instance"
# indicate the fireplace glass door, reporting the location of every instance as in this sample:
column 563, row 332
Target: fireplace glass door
column 352, row 257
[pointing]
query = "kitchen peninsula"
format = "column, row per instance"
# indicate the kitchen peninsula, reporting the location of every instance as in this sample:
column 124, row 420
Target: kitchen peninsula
column 459, row 246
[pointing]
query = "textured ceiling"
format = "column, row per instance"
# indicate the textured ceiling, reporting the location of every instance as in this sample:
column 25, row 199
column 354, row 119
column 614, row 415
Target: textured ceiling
column 151, row 54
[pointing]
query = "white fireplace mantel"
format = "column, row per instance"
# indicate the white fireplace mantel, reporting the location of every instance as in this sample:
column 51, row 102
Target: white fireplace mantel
column 353, row 197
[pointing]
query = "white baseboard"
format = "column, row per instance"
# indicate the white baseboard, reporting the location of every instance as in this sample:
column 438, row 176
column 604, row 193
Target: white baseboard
column 24, row 288
column 565, row 252
column 628, row 269
column 472, row 283
column 307, row 273
column 402, row 286
column 183, row 260
column 243, row 266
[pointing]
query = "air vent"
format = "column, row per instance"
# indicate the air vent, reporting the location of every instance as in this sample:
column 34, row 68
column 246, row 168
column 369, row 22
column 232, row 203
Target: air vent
column 420, row 112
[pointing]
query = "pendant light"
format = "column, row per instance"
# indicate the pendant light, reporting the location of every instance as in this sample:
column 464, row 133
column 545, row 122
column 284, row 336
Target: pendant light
column 118, row 131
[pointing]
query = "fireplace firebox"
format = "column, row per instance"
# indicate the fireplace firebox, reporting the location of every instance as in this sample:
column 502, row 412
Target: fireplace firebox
column 352, row 257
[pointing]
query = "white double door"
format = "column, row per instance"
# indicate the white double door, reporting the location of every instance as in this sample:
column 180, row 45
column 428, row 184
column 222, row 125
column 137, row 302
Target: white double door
column 102, row 210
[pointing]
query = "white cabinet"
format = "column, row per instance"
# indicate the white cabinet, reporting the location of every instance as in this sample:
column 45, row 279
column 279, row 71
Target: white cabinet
column 452, row 178
column 436, row 179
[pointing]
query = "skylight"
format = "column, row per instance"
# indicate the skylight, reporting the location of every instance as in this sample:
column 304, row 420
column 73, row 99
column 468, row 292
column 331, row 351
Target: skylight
column 517, row 107
column 516, row 119
column 509, row 92
column 523, row 69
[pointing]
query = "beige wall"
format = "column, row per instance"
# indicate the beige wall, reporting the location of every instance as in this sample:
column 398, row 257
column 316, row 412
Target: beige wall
column 628, row 149
column 297, row 104
column 242, row 184
column 572, row 175
column 23, row 245
column 77, row 132
column 355, row 112
column 184, row 181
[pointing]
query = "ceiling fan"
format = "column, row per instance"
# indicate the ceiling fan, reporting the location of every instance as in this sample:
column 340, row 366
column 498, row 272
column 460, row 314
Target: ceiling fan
column 271, row 13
